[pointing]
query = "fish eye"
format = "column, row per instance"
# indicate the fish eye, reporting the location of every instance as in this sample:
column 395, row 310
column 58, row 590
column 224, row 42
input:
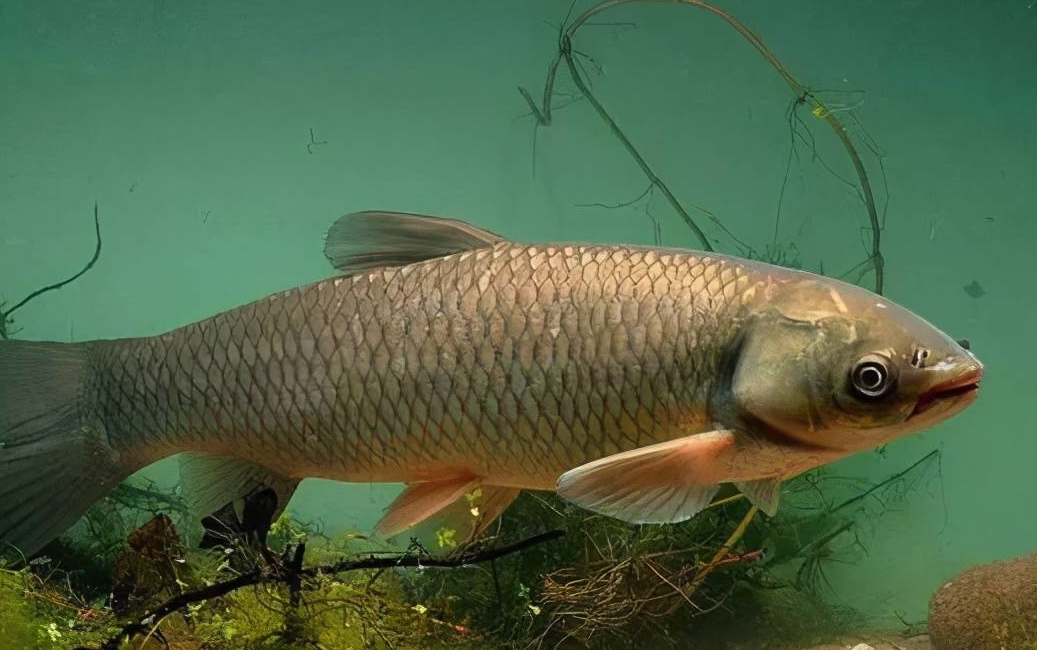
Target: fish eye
column 871, row 377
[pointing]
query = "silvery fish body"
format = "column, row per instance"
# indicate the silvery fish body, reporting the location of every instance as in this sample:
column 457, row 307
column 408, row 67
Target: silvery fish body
column 633, row 380
column 515, row 363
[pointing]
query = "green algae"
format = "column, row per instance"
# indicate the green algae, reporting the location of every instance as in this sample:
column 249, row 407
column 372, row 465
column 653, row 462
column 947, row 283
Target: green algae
column 37, row 615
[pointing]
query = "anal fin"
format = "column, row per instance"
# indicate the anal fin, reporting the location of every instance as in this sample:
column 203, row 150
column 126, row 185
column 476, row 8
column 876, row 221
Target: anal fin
column 233, row 496
column 667, row 482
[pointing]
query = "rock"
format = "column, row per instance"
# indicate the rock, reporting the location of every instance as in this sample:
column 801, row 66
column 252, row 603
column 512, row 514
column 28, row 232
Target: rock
column 989, row 607
column 916, row 643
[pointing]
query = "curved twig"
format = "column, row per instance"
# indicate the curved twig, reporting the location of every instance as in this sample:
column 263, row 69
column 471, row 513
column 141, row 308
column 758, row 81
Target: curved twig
column 641, row 162
column 722, row 552
column 5, row 314
column 820, row 110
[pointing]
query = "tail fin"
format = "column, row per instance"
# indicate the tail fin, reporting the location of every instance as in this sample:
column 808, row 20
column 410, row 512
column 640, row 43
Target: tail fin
column 53, row 463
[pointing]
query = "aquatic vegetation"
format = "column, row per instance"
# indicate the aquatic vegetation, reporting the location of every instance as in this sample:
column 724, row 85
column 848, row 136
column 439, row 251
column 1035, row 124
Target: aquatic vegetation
column 300, row 596
column 721, row 578
column 93, row 546
column 609, row 584
column 339, row 613
column 816, row 530
column 38, row 609
column 7, row 329
column 803, row 96
column 5, row 312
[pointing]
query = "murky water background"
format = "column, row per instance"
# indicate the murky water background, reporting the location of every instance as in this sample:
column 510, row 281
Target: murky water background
column 222, row 139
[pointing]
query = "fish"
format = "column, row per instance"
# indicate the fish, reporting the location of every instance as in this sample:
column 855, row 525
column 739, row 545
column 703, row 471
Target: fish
column 634, row 381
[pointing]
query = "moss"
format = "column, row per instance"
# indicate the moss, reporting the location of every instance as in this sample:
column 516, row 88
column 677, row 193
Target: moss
column 17, row 623
column 338, row 613
column 36, row 615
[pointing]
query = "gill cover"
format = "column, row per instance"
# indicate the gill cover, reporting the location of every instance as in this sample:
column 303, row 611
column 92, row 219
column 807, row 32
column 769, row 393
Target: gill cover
column 826, row 383
column 777, row 382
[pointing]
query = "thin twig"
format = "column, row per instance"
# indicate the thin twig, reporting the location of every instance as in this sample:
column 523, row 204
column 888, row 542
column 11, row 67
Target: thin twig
column 899, row 475
column 723, row 551
column 278, row 575
column 5, row 315
column 820, row 110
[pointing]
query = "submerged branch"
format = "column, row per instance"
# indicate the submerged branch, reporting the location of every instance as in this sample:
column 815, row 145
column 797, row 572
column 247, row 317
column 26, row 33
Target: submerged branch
column 722, row 552
column 542, row 112
column 5, row 314
column 887, row 481
column 287, row 571
column 616, row 131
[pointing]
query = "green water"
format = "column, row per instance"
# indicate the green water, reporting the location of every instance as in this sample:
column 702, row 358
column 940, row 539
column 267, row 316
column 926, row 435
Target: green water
column 188, row 122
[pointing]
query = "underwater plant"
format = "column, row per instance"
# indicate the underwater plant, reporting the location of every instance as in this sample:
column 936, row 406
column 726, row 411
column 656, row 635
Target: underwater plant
column 687, row 585
column 603, row 583
column 804, row 97
column 286, row 569
column 6, row 321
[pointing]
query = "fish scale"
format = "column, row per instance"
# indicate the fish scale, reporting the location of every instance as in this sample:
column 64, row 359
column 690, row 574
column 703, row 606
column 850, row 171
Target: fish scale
column 539, row 363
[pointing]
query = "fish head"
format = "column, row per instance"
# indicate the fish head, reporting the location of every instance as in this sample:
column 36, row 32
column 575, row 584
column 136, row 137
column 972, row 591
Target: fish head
column 832, row 366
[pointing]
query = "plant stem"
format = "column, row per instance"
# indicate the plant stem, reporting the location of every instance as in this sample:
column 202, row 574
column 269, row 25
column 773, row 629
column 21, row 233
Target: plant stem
column 6, row 314
column 543, row 116
column 616, row 131
column 722, row 552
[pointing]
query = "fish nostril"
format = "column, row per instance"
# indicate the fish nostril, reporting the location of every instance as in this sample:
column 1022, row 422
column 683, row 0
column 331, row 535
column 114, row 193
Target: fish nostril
column 964, row 343
column 919, row 356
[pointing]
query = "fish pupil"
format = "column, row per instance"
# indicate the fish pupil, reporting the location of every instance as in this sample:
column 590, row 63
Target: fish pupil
column 870, row 378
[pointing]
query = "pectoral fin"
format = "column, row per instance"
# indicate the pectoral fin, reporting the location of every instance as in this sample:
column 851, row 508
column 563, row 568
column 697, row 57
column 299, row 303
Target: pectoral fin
column 763, row 494
column 464, row 519
column 662, row 483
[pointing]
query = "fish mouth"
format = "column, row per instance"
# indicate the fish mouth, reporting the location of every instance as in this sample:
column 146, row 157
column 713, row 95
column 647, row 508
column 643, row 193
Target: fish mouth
column 961, row 389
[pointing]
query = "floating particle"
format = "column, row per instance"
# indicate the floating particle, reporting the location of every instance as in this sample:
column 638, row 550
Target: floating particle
column 974, row 290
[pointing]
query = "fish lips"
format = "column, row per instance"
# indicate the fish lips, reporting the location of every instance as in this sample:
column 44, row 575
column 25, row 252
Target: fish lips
column 957, row 392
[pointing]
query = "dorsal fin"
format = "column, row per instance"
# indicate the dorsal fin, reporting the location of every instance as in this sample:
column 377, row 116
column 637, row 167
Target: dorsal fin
column 367, row 240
